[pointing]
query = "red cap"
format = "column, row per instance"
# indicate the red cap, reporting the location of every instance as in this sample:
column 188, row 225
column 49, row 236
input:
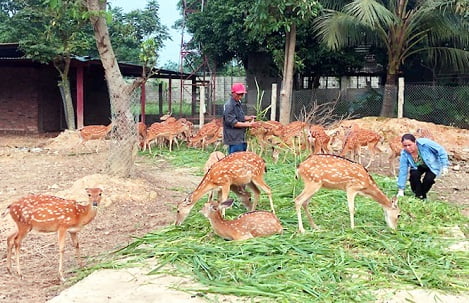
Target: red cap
column 238, row 88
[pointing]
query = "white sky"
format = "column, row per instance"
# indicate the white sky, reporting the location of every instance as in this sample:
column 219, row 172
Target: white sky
column 168, row 15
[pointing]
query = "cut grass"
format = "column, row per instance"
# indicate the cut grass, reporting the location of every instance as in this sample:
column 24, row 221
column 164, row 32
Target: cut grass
column 334, row 264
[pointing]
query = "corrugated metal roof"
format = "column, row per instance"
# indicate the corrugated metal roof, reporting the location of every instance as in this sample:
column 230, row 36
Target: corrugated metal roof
column 10, row 52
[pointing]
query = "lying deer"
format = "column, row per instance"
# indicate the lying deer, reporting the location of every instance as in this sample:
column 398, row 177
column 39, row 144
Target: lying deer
column 334, row 172
column 46, row 213
column 246, row 226
column 240, row 168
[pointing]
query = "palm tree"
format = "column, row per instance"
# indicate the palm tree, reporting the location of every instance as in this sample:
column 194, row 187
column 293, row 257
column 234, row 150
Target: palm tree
column 438, row 27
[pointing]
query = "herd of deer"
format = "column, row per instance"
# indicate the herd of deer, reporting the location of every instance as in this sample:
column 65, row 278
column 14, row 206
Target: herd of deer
column 234, row 172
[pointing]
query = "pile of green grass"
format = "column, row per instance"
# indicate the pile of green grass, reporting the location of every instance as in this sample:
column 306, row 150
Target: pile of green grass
column 334, row 264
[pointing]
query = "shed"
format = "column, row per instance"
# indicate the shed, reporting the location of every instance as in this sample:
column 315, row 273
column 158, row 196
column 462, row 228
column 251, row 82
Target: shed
column 30, row 99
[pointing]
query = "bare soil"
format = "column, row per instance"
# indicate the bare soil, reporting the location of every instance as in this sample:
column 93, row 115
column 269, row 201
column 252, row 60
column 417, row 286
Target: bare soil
column 131, row 207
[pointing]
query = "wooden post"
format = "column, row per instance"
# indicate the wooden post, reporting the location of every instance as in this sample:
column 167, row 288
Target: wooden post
column 273, row 102
column 202, row 108
column 400, row 98
column 160, row 98
column 142, row 102
column 80, row 106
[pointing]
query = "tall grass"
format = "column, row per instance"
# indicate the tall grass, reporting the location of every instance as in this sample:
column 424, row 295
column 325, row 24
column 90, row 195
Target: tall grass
column 334, row 264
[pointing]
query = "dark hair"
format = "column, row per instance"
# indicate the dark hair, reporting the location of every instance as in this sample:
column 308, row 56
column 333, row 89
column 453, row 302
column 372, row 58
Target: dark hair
column 408, row 137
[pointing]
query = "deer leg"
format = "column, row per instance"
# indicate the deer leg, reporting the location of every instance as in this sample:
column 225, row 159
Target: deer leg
column 16, row 240
column 259, row 181
column 74, row 237
column 247, row 199
column 302, row 201
column 61, row 240
column 10, row 244
column 351, row 206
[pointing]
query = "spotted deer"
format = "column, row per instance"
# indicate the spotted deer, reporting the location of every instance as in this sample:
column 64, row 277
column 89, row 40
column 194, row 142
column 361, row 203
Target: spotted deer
column 45, row 213
column 244, row 195
column 246, row 226
column 358, row 137
column 240, row 168
column 319, row 140
column 142, row 133
column 395, row 145
column 94, row 132
column 334, row 172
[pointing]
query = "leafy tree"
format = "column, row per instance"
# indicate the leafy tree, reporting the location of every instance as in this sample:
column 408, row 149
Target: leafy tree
column 284, row 16
column 129, row 30
column 439, row 28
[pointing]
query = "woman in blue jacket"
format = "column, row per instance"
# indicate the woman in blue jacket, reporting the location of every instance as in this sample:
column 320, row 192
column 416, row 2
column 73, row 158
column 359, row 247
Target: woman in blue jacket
column 426, row 160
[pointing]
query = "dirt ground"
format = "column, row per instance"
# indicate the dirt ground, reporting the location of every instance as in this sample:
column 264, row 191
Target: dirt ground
column 131, row 207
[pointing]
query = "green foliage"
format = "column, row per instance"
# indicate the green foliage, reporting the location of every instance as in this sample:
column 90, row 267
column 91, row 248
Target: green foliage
column 334, row 264
column 128, row 32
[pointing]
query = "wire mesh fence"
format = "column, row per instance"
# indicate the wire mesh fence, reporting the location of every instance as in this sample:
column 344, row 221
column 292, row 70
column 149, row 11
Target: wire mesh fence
column 124, row 136
column 447, row 105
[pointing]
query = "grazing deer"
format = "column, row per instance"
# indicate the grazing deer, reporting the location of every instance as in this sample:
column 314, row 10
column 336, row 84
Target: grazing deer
column 246, row 226
column 94, row 132
column 334, row 172
column 358, row 137
column 46, row 213
column 142, row 134
column 238, row 190
column 240, row 168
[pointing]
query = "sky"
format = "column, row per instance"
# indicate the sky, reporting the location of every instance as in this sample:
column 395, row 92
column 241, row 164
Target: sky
column 168, row 15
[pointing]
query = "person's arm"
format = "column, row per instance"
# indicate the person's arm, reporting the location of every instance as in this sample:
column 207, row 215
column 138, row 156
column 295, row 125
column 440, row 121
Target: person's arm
column 403, row 170
column 441, row 153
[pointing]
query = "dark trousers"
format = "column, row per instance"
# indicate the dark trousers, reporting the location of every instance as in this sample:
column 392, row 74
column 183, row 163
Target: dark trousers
column 237, row 148
column 420, row 186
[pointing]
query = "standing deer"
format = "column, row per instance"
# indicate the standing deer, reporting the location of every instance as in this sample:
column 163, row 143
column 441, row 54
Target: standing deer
column 46, row 213
column 358, row 137
column 94, row 132
column 246, row 226
column 238, row 190
column 334, row 172
column 240, row 168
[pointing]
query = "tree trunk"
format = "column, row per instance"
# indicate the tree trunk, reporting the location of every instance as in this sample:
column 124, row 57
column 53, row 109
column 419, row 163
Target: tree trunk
column 62, row 65
column 287, row 83
column 123, row 147
column 390, row 96
column 64, row 86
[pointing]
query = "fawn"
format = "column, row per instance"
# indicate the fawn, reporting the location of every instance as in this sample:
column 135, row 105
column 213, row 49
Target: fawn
column 334, row 172
column 46, row 213
column 240, row 168
column 246, row 226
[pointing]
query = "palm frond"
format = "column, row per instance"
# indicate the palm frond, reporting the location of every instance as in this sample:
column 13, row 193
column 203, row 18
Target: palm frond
column 370, row 12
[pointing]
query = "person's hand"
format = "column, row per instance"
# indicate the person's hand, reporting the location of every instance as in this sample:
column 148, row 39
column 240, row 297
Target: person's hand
column 400, row 193
column 252, row 118
column 444, row 171
column 254, row 124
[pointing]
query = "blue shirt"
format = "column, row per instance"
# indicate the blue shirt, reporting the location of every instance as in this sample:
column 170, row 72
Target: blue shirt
column 433, row 155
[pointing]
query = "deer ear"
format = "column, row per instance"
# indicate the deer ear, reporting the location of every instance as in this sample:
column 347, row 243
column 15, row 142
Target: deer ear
column 226, row 204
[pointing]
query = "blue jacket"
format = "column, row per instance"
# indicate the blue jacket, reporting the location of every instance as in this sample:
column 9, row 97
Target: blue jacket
column 433, row 154
column 233, row 113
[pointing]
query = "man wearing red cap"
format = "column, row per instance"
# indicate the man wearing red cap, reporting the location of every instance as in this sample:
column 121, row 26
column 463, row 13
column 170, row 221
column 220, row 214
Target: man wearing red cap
column 235, row 122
